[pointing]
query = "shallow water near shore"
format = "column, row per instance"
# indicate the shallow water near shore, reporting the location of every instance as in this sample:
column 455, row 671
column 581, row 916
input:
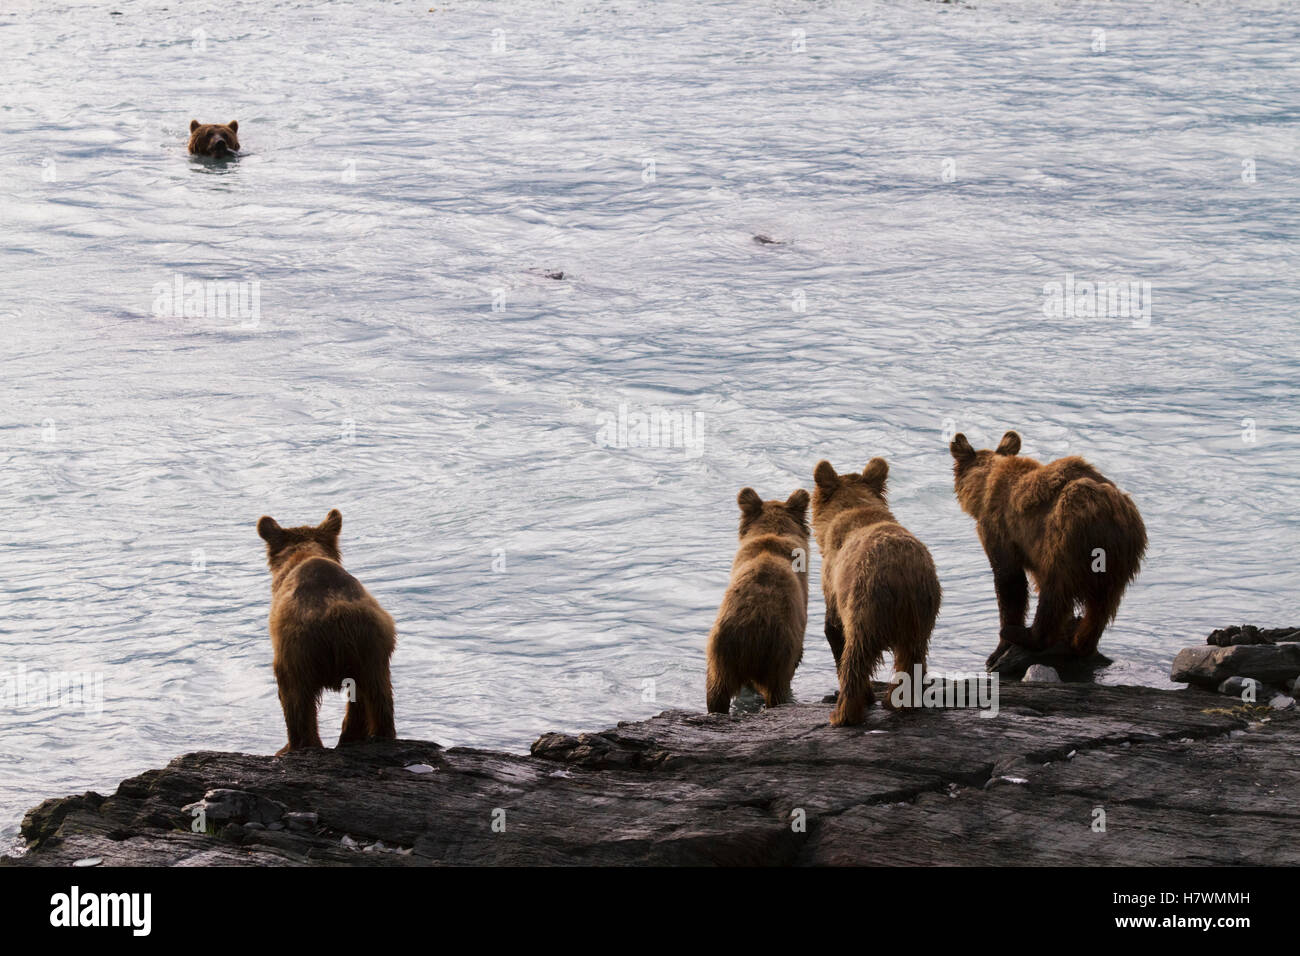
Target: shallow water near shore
column 394, row 343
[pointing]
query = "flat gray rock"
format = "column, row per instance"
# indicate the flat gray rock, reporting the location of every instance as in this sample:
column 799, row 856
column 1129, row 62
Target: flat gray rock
column 1210, row 666
column 1181, row 777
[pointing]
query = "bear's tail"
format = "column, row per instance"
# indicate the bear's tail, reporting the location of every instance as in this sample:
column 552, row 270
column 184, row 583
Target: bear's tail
column 364, row 639
column 913, row 617
column 1099, row 542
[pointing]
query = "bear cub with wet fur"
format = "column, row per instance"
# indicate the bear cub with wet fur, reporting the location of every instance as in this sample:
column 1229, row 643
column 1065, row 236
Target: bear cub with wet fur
column 1067, row 525
column 882, row 591
column 758, row 636
column 325, row 629
column 214, row 139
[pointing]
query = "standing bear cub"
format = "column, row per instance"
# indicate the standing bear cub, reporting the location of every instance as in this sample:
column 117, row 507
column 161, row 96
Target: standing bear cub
column 882, row 591
column 1078, row 535
column 214, row 139
column 758, row 636
column 325, row 629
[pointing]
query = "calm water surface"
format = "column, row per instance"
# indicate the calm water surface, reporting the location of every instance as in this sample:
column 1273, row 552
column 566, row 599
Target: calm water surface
column 409, row 179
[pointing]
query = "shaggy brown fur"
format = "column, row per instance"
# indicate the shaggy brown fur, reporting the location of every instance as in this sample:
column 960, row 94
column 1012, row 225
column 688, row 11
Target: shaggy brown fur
column 758, row 636
column 1049, row 520
column 325, row 629
column 882, row 592
column 214, row 139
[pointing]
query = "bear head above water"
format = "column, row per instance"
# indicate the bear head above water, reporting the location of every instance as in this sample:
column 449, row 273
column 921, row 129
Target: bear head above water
column 214, row 139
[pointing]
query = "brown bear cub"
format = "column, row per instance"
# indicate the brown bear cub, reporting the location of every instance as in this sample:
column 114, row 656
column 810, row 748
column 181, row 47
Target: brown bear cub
column 214, row 139
column 325, row 629
column 882, row 591
column 1078, row 535
column 758, row 636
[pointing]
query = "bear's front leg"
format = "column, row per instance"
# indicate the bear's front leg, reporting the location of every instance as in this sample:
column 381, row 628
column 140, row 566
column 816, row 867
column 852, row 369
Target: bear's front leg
column 1012, row 588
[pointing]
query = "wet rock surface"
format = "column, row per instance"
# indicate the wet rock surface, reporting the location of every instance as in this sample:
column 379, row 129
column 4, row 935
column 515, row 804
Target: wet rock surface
column 1210, row 666
column 1013, row 662
column 1179, row 777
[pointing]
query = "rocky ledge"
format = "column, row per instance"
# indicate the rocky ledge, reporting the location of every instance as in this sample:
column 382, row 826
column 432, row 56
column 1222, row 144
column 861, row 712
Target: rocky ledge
column 1063, row 774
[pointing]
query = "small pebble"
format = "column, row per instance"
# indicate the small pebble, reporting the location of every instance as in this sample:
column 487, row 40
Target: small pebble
column 89, row 861
column 1041, row 673
column 1236, row 686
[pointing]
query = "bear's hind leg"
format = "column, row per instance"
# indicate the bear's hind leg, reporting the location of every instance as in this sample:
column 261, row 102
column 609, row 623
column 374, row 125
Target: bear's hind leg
column 379, row 707
column 861, row 654
column 905, row 663
column 1088, row 632
column 719, row 691
column 356, row 724
column 300, row 706
column 776, row 691
column 835, row 635
column 1053, row 613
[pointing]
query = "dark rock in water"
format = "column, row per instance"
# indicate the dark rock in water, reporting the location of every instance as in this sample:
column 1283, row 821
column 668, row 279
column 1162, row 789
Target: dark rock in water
column 924, row 787
column 554, row 275
column 1249, row 634
column 763, row 240
column 1013, row 661
column 1211, row 666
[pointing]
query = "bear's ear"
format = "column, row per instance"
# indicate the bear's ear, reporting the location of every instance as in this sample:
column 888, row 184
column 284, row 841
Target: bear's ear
column 332, row 524
column 1010, row 444
column 874, row 475
column 824, row 475
column 749, row 501
column 270, row 530
column 234, row 126
column 961, row 448
column 797, row 505
column 194, row 124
